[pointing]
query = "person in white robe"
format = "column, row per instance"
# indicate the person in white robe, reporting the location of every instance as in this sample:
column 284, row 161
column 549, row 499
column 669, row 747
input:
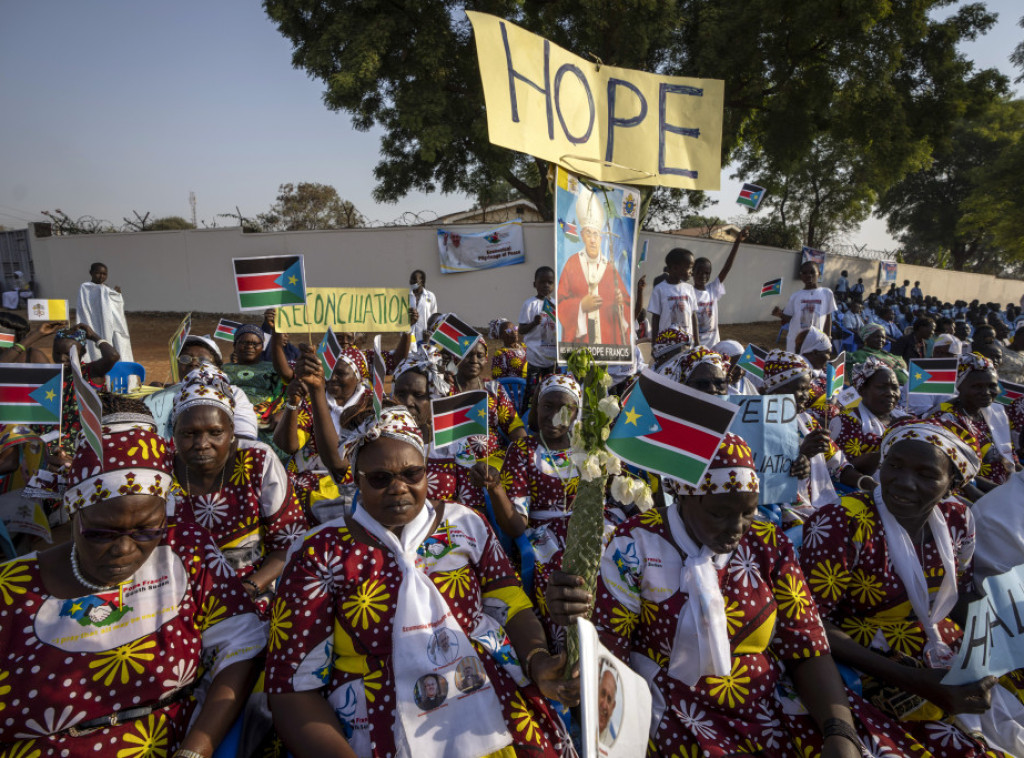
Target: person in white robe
column 102, row 308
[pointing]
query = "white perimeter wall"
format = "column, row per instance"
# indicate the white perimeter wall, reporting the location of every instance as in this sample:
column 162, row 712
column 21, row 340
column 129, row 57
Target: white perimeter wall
column 191, row 270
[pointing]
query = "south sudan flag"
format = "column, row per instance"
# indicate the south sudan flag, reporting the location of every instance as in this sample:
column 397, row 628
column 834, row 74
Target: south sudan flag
column 774, row 287
column 932, row 376
column 1009, row 392
column 455, row 336
column 6, row 339
column 670, row 429
column 835, row 375
column 268, row 282
column 226, row 329
column 378, row 371
column 752, row 360
column 751, row 196
column 459, row 417
column 90, row 409
column 30, row 393
column 329, row 351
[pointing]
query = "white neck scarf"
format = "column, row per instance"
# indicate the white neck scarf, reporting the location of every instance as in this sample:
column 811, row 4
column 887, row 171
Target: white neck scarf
column 701, row 644
column 464, row 725
column 999, row 428
column 820, row 485
column 869, row 422
column 905, row 563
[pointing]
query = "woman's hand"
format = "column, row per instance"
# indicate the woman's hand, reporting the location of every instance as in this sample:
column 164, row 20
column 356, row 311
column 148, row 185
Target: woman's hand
column 965, row 698
column 56, row 461
column 484, row 476
column 815, row 443
column 566, row 598
column 309, row 368
column 547, row 672
column 295, row 391
column 49, row 327
column 801, row 467
column 89, row 333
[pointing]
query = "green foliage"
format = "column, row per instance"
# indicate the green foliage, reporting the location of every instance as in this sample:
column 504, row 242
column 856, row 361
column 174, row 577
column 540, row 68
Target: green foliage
column 308, row 206
column 962, row 207
column 170, row 223
column 883, row 77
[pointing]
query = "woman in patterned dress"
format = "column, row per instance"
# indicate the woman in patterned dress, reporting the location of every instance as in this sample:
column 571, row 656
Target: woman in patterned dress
column 380, row 617
column 510, row 359
column 858, row 431
column 127, row 619
column 701, row 369
column 256, row 377
column 886, row 569
column 973, row 411
column 236, row 488
column 669, row 342
column 716, row 667
column 93, row 372
column 873, row 338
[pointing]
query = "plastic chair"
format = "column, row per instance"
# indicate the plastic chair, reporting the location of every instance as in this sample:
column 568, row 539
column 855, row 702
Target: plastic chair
column 515, row 388
column 527, row 558
column 849, row 342
column 783, row 332
column 119, row 375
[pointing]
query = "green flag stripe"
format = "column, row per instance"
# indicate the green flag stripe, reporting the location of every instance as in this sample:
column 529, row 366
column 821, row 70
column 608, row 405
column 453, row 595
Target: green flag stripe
column 267, row 299
column 934, row 388
column 670, row 462
column 26, row 414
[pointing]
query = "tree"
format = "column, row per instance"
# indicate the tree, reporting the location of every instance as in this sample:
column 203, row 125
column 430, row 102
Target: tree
column 883, row 76
column 961, row 206
column 169, row 223
column 62, row 224
column 309, row 206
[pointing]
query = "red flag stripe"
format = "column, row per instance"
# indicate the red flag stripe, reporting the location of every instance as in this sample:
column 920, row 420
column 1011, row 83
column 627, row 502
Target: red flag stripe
column 258, row 282
column 18, row 393
column 445, row 328
column 691, row 439
column 943, row 376
column 453, row 418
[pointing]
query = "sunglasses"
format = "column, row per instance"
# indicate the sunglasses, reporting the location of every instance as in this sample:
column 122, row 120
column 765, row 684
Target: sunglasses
column 106, row 536
column 381, row 480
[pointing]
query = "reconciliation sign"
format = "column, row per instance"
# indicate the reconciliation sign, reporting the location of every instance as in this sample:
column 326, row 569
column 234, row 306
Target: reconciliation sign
column 612, row 124
column 768, row 424
column 993, row 641
column 348, row 309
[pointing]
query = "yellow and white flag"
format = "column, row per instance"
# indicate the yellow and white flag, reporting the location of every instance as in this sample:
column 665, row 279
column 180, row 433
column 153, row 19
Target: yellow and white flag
column 47, row 310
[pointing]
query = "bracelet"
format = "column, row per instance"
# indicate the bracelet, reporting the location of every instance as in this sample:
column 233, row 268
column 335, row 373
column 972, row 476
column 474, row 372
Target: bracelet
column 290, row 407
column 252, row 584
column 838, row 728
column 862, row 478
column 185, row 753
column 529, row 659
column 18, row 346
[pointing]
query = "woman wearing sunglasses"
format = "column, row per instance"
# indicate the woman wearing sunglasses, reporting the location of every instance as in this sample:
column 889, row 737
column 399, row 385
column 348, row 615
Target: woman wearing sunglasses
column 377, row 611
column 112, row 640
column 234, row 487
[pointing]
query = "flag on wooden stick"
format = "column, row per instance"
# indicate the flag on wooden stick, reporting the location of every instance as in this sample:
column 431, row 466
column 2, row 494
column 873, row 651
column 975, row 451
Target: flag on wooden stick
column 459, row 417
column 378, row 372
column 90, row 409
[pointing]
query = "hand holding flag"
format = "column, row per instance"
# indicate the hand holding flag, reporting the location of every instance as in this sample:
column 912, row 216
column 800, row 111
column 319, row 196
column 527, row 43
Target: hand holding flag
column 771, row 287
column 835, row 375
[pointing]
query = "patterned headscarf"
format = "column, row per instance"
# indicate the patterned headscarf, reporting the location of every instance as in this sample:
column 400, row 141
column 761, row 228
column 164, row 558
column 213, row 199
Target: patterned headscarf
column 396, row 423
column 247, row 329
column 77, row 335
column 862, row 372
column 136, row 461
column 682, row 366
column 782, row 367
column 206, row 385
column 428, row 360
column 355, row 359
column 868, row 329
column 731, row 470
column 958, row 450
column 669, row 339
column 495, row 327
column 971, row 362
column 561, row 383
column 202, row 339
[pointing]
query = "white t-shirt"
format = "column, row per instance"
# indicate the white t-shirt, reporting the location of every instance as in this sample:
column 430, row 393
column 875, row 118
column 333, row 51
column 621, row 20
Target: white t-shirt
column 707, row 311
column 426, row 307
column 539, row 341
column 808, row 308
column 674, row 304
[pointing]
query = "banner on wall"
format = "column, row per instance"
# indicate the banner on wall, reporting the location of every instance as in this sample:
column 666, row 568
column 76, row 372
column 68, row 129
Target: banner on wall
column 595, row 243
column 613, row 124
column 348, row 309
column 887, row 272
column 814, row 256
column 500, row 246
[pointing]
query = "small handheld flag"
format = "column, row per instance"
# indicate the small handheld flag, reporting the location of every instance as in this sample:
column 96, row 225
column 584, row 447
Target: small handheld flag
column 751, row 196
column 670, row 429
column 1009, row 392
column 47, row 310
column 177, row 342
column 932, row 376
column 269, row 281
column 835, row 375
column 6, row 339
column 30, row 393
column 226, row 329
column 459, row 417
column 455, row 336
column 752, row 360
column 90, row 409
column 378, row 372
column 773, row 287
column 549, row 309
column 329, row 350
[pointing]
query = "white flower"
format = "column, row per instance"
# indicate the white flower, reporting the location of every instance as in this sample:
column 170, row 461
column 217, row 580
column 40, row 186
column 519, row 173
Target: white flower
column 605, row 380
column 695, row 720
column 210, row 509
column 184, row 672
column 643, row 500
column 743, row 567
column 217, row 563
column 946, row 734
column 609, row 406
column 816, row 532
column 52, row 722
column 610, row 461
column 621, row 490
column 591, row 469
column 328, row 569
column 605, row 433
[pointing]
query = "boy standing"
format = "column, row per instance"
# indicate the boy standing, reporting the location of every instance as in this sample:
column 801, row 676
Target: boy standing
column 710, row 292
column 422, row 301
column 674, row 301
column 537, row 328
column 811, row 306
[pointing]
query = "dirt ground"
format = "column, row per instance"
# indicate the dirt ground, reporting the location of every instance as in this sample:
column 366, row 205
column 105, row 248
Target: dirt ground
column 151, row 333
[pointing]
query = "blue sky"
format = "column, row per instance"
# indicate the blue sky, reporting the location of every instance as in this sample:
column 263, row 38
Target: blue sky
column 115, row 106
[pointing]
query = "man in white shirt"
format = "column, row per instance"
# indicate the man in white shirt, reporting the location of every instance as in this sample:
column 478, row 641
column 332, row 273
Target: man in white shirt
column 811, row 306
column 673, row 300
column 422, row 301
column 102, row 308
column 710, row 292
